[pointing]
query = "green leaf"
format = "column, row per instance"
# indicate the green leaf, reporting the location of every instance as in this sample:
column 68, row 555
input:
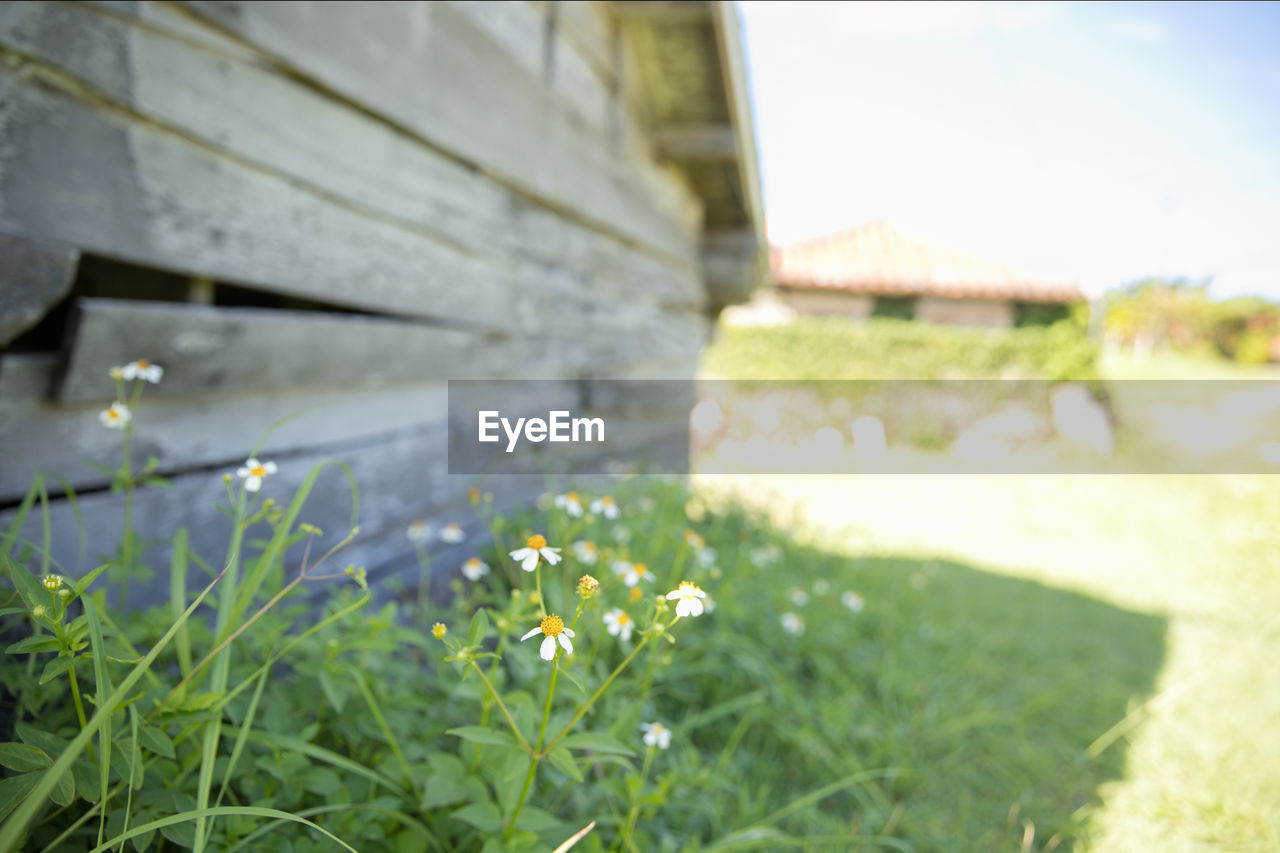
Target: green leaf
column 480, row 734
column 14, row 789
column 441, row 791
column 479, row 627
column 320, row 780
column 562, row 760
column 86, row 776
column 21, row 757
column 25, row 582
column 483, row 816
column 200, row 701
column 597, row 742
column 535, row 819
column 32, row 645
column 54, row 668
column 65, row 791
column 50, row 743
column 155, row 740
column 181, row 834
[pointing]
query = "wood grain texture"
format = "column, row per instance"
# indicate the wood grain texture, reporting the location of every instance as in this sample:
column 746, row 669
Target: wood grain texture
column 34, row 276
column 427, row 67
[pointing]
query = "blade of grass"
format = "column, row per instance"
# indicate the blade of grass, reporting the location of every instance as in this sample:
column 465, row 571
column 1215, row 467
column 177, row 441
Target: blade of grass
column 343, row 807
column 20, row 518
column 238, row 748
column 133, row 771
column 220, row 811
column 102, row 686
column 382, row 722
column 11, row 831
column 178, row 596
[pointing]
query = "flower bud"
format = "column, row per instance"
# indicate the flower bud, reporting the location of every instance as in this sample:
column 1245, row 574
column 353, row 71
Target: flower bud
column 587, row 586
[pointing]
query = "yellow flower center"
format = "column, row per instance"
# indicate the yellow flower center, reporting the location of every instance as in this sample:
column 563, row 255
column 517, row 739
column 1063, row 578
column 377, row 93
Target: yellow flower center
column 258, row 471
column 438, row 630
column 473, row 562
column 552, row 625
column 624, row 619
column 537, row 542
column 641, row 569
column 635, row 593
column 607, row 501
column 113, row 414
column 573, row 497
column 688, row 589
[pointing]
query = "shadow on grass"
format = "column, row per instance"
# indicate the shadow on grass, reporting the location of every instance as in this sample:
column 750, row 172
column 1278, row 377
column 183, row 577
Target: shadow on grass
column 969, row 699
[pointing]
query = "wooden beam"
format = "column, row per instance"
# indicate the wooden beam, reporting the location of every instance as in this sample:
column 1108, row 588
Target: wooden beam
column 34, row 276
column 697, row 142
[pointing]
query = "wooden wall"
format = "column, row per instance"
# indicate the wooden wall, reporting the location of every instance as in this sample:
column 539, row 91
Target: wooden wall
column 408, row 192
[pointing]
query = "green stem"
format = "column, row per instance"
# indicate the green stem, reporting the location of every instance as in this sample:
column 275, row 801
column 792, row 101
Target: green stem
column 600, row 690
column 537, row 577
column 634, row 813
column 536, row 757
column 503, row 708
column 126, row 546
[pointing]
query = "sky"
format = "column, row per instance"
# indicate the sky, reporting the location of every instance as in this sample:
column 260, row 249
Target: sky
column 1093, row 142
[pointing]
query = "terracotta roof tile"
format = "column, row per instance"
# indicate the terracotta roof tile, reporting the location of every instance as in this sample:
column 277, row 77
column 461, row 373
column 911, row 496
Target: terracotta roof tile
column 877, row 258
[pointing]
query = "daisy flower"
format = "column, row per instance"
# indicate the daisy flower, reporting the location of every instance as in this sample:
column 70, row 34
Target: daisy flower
column 588, row 586
column 474, row 569
column 688, row 599
column 656, row 734
column 115, row 416
column 619, row 624
column 605, row 506
column 586, row 552
column 792, row 623
column 693, row 540
column 553, row 630
column 142, row 369
column 438, row 630
column 571, row 503
column 253, row 472
column 535, row 548
column 706, row 557
column 636, row 573
column 852, row 600
column 798, row 596
column 52, row 582
column 452, row 533
column 418, row 532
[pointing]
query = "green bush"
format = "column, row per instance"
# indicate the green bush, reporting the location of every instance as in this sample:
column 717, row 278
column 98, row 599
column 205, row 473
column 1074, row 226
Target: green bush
column 835, row 348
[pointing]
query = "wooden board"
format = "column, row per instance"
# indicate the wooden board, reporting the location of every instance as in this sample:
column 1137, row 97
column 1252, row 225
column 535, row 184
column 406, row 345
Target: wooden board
column 428, row 68
column 34, row 276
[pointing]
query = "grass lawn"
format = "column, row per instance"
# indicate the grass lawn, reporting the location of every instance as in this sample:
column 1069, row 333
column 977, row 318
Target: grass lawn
column 1047, row 662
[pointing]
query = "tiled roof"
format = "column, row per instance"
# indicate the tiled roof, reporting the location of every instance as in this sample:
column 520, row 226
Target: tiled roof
column 877, row 258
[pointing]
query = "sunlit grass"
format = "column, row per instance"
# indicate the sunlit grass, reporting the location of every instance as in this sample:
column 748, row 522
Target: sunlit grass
column 1190, row 563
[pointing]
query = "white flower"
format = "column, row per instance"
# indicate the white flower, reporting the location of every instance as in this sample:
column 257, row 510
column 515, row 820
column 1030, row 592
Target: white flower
column 116, row 373
column 621, row 567
column 452, row 533
column 693, row 540
column 792, row 623
column 115, row 416
column 474, row 569
column 656, row 734
column 605, row 506
column 419, row 532
column 553, row 629
column 586, row 552
column 142, row 369
column 534, row 548
column 253, row 472
column 706, row 557
column 619, row 624
column 852, row 600
column 821, row 587
column 636, row 573
column 688, row 599
column 571, row 503
column 798, row 596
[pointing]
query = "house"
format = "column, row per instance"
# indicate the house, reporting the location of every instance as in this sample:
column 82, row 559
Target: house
column 876, row 270
column 292, row 205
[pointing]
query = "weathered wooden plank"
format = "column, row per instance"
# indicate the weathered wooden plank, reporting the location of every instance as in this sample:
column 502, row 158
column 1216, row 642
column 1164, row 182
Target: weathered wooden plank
column 86, row 176
column 34, row 275
column 427, row 67
column 207, row 350
column 276, row 125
